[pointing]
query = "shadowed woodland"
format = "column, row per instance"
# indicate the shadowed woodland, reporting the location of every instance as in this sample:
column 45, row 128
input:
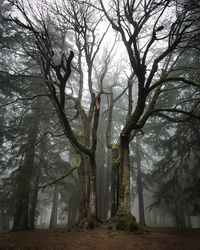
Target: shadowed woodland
column 99, row 115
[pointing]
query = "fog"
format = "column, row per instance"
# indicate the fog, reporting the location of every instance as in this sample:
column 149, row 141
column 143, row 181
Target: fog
column 99, row 115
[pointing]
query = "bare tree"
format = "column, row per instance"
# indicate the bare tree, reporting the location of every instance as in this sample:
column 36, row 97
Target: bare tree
column 55, row 61
column 144, row 25
column 154, row 34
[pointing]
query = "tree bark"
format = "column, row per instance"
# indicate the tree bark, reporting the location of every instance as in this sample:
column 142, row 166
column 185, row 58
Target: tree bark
column 83, row 203
column 22, row 194
column 32, row 212
column 54, row 210
column 115, row 180
column 5, row 219
column 107, row 185
column 140, row 187
column 124, row 175
column 21, row 207
column 92, row 211
column 72, row 211
column 21, row 214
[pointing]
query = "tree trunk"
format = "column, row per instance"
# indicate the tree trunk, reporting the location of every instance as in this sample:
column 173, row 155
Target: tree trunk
column 22, row 195
column 21, row 207
column 83, row 208
column 92, row 211
column 5, row 219
column 108, row 183
column 37, row 174
column 115, row 180
column 105, row 194
column 21, row 220
column 100, row 187
column 140, row 187
column 183, row 225
column 189, row 223
column 124, row 175
column 180, row 216
column 72, row 210
column 88, row 196
column 34, row 204
column 54, row 210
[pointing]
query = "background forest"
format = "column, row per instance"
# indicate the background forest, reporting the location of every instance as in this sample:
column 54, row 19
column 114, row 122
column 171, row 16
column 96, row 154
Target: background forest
column 99, row 113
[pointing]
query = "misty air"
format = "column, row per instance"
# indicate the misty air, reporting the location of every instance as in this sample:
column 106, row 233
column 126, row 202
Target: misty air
column 100, row 124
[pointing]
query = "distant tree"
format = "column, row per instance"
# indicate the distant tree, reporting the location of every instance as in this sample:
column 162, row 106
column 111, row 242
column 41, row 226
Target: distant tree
column 54, row 210
column 176, row 174
column 25, row 173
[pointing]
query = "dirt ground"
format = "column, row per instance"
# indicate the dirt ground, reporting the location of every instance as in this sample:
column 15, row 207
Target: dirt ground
column 100, row 239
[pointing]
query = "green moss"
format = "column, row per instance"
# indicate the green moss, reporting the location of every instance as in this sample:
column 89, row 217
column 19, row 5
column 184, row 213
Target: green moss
column 80, row 138
column 87, row 223
column 77, row 160
column 115, row 146
column 115, row 154
column 123, row 222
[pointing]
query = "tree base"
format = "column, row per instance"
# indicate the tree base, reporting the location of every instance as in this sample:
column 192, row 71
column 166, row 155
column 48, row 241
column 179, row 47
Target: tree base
column 124, row 222
column 87, row 223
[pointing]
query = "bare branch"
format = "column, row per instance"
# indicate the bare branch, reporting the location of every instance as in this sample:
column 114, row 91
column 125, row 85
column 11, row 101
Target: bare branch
column 173, row 79
column 57, row 179
column 24, row 99
column 178, row 111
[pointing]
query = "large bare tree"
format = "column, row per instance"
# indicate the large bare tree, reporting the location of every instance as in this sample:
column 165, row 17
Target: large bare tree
column 144, row 26
column 64, row 44
column 77, row 41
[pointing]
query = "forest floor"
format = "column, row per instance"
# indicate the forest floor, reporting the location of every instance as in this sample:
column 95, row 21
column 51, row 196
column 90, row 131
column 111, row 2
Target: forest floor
column 155, row 239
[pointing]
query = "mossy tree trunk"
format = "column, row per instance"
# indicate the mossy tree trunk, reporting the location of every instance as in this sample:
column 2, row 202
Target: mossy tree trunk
column 115, row 179
column 124, row 174
column 92, row 211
